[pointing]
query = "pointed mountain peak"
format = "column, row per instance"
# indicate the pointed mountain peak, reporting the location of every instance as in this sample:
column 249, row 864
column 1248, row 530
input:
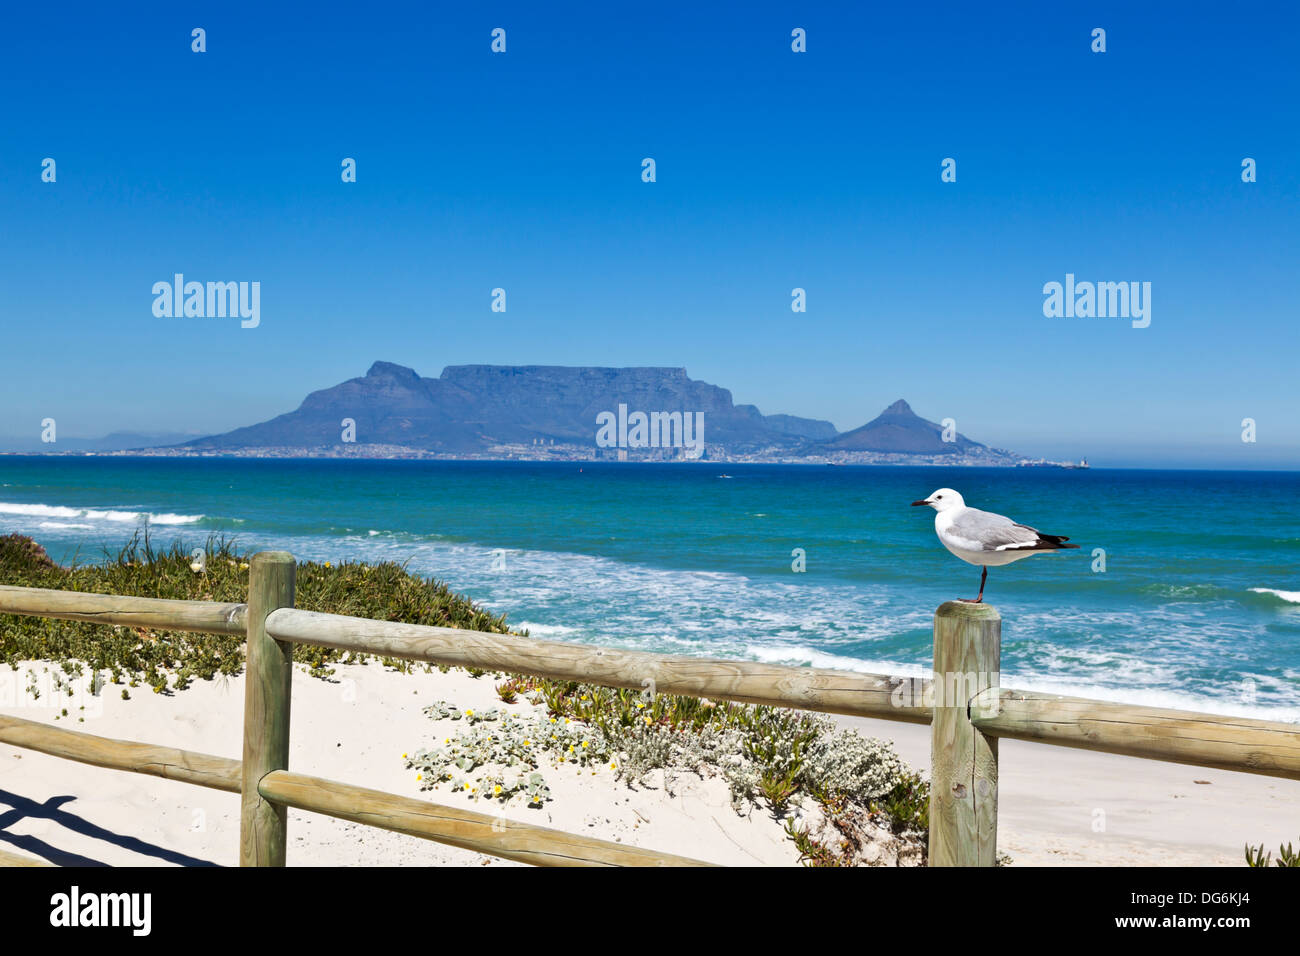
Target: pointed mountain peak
column 899, row 430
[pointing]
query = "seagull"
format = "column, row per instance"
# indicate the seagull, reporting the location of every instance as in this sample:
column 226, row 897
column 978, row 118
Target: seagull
column 983, row 538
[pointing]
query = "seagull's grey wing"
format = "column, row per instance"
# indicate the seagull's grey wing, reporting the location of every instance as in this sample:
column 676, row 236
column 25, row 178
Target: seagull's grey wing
column 978, row 530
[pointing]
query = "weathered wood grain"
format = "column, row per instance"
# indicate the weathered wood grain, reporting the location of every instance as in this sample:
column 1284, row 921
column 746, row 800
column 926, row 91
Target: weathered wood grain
column 20, row 859
column 970, row 712
column 481, row 832
column 963, row 759
column 832, row 691
column 187, row 766
column 267, row 693
column 1176, row 736
column 200, row 617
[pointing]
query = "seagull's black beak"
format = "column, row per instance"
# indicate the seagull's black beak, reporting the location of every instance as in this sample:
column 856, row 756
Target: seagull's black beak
column 921, row 502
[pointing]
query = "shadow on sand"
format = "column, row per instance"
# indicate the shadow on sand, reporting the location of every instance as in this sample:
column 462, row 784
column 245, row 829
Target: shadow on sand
column 52, row 810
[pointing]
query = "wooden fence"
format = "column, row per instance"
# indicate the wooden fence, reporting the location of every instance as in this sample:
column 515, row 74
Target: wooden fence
column 967, row 709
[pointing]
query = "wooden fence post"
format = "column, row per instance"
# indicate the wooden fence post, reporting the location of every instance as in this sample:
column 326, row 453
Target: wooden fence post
column 268, row 673
column 963, row 761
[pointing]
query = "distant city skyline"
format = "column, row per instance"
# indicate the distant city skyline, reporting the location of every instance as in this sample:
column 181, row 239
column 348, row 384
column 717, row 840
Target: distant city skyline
column 775, row 171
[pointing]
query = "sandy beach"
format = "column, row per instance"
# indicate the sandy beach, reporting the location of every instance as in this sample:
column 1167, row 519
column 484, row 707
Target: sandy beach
column 1057, row 806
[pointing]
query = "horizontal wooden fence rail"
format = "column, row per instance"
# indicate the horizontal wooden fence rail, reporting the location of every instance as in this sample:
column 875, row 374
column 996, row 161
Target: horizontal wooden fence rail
column 967, row 718
column 1175, row 736
column 187, row 766
column 18, row 859
column 198, row 617
column 807, row 688
column 481, row 832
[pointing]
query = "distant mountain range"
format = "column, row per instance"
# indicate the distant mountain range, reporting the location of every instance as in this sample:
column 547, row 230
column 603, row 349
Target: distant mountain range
column 470, row 409
column 117, row 441
column 576, row 413
column 551, row 412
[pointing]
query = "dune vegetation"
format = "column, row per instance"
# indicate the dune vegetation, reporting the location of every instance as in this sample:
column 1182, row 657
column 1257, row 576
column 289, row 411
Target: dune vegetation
column 782, row 761
column 167, row 661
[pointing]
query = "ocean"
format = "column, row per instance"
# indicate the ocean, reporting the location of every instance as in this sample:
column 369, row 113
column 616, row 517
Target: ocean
column 1193, row 600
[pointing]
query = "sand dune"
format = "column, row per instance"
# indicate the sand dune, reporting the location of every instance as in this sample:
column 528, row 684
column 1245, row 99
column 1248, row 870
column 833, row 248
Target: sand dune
column 356, row 727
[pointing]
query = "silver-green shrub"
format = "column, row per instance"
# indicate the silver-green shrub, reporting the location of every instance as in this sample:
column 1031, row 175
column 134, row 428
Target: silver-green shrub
column 763, row 754
column 844, row 761
column 498, row 756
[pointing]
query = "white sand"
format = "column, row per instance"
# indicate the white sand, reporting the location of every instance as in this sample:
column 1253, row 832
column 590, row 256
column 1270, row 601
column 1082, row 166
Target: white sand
column 356, row 728
column 1148, row 813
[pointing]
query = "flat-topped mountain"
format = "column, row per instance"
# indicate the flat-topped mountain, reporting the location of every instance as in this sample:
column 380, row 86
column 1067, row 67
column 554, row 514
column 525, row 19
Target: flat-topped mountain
column 471, row 408
column 549, row 411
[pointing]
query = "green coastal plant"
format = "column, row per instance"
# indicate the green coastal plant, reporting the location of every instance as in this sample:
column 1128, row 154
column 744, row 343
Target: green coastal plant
column 813, row 852
column 168, row 661
column 497, row 756
column 907, row 804
column 1286, row 856
column 768, row 756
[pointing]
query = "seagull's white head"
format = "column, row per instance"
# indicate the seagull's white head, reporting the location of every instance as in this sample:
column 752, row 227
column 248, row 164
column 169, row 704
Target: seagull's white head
column 944, row 499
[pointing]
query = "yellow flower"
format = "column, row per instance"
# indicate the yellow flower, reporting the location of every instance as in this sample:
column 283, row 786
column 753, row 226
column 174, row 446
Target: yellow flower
column 585, row 742
column 243, row 565
column 469, row 713
column 528, row 743
column 612, row 765
column 496, row 791
column 640, row 706
column 403, row 756
column 570, row 748
column 327, row 564
column 467, row 786
column 419, row 776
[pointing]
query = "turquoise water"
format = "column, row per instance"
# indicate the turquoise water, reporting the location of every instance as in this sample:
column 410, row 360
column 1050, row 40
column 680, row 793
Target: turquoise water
column 676, row 558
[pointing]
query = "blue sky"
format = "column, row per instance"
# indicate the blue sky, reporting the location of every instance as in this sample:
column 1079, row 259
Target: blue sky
column 818, row 170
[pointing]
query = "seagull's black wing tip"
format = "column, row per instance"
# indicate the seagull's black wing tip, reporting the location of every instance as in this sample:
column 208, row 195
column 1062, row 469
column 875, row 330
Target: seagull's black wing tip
column 1051, row 542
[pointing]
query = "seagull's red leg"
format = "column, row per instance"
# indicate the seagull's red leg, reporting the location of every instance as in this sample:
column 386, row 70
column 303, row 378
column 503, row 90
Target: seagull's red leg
column 979, row 600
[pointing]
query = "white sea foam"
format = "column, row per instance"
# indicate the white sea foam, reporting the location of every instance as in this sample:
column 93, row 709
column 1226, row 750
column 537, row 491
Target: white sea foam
column 1291, row 597
column 548, row 632
column 1149, row 655
column 95, row 514
column 799, row 655
column 1144, row 692
column 1228, row 705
